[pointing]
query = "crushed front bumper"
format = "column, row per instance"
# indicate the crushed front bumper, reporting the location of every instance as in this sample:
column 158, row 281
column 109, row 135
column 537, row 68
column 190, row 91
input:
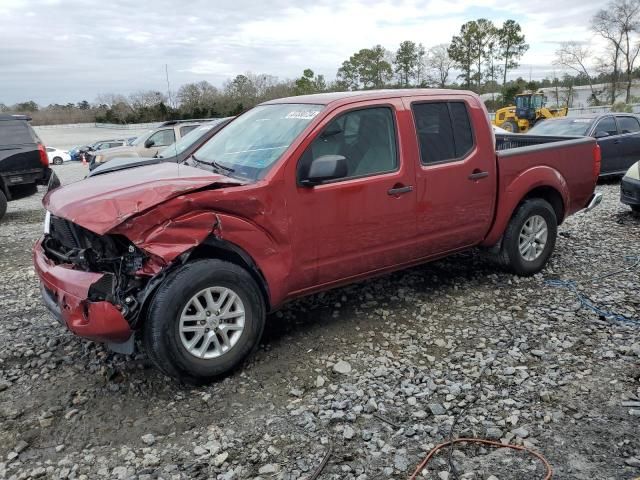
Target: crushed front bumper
column 630, row 191
column 65, row 293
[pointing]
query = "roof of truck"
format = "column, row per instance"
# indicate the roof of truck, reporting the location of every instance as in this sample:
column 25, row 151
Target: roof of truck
column 344, row 97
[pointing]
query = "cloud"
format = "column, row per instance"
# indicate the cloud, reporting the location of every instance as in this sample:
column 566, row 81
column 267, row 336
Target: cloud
column 77, row 49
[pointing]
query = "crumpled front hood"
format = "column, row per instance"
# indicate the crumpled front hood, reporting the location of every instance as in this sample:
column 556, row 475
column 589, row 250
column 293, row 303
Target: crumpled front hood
column 103, row 202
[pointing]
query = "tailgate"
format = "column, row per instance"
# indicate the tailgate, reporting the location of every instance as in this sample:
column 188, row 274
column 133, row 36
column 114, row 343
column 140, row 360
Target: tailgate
column 564, row 164
column 15, row 158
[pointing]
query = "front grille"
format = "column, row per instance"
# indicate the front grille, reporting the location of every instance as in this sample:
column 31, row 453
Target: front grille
column 63, row 231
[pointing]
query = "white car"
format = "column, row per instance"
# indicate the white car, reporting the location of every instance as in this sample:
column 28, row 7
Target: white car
column 499, row 130
column 57, row 157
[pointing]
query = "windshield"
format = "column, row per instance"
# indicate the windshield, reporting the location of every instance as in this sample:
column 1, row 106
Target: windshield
column 142, row 138
column 563, row 127
column 253, row 142
column 186, row 141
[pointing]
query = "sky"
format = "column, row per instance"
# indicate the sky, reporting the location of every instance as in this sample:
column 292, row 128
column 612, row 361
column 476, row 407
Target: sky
column 59, row 51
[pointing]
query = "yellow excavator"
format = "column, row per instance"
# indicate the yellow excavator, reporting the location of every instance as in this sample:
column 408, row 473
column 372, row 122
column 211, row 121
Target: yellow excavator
column 529, row 109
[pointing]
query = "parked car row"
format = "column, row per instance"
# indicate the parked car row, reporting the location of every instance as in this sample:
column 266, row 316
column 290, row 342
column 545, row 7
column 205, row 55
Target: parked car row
column 147, row 145
column 177, row 152
column 77, row 152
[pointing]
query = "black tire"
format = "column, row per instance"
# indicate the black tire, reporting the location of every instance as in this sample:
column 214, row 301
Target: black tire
column 57, row 161
column 3, row 204
column 634, row 209
column 510, row 126
column 510, row 250
column 161, row 336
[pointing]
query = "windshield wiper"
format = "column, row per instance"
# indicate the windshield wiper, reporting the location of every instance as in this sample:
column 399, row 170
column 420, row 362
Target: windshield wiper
column 215, row 165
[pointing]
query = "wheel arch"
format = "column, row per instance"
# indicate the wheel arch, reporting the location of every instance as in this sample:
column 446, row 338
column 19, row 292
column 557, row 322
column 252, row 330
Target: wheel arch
column 539, row 182
column 549, row 194
column 213, row 247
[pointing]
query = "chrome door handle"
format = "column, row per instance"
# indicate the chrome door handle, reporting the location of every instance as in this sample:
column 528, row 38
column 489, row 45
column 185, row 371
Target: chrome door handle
column 477, row 175
column 400, row 190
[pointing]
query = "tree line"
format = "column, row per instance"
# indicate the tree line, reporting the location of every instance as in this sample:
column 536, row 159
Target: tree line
column 479, row 57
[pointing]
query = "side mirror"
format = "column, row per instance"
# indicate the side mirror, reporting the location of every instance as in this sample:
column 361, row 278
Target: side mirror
column 324, row 168
column 601, row 134
column 149, row 143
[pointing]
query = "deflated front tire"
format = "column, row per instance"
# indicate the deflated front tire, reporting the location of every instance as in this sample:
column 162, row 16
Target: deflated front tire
column 204, row 320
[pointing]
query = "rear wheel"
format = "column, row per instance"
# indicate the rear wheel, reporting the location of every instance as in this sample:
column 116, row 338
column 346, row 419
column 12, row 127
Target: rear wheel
column 530, row 237
column 204, row 320
column 3, row 204
column 57, row 161
column 510, row 126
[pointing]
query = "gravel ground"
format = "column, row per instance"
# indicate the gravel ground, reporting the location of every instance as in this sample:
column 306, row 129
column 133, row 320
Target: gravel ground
column 371, row 376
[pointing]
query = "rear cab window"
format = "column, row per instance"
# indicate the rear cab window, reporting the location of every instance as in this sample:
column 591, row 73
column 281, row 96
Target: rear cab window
column 16, row 132
column 444, row 131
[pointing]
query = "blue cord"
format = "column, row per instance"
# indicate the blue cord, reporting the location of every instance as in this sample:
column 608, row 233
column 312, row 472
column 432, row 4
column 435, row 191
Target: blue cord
column 586, row 302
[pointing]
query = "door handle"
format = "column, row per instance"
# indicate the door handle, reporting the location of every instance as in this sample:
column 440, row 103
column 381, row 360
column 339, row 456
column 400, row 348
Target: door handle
column 477, row 175
column 400, row 190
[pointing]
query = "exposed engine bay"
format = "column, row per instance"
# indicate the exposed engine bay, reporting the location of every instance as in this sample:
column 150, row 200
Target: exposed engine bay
column 114, row 255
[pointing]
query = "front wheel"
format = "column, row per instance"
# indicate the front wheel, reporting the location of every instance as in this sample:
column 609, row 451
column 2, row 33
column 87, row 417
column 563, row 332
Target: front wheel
column 530, row 237
column 204, row 320
column 57, row 161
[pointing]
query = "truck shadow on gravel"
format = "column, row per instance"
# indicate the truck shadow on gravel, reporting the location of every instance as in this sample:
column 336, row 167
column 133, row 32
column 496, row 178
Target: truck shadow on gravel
column 121, row 396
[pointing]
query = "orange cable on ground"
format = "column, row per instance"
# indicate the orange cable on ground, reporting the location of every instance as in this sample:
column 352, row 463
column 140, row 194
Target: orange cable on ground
column 484, row 442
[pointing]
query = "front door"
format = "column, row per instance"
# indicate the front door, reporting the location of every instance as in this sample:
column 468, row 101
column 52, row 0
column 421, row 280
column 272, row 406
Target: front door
column 629, row 129
column 609, row 145
column 366, row 220
column 455, row 177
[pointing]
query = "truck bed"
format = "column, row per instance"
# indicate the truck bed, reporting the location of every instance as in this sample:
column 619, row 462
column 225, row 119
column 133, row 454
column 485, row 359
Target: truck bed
column 526, row 163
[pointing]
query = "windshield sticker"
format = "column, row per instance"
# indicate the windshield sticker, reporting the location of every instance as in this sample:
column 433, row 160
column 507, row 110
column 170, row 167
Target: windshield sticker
column 302, row 114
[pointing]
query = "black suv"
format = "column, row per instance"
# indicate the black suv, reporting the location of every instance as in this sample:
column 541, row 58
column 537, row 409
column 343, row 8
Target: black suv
column 23, row 160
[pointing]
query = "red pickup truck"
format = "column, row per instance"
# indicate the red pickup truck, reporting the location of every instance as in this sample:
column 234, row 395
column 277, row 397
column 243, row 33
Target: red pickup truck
column 296, row 196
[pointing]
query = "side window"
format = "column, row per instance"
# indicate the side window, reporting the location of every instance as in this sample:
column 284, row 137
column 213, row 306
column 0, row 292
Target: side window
column 607, row 124
column 628, row 125
column 186, row 129
column 49, row 149
column 444, row 131
column 462, row 132
column 366, row 138
column 163, row 138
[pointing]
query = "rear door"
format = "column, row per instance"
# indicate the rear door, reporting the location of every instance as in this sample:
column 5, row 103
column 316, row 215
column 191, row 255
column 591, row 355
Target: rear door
column 609, row 145
column 455, row 178
column 365, row 221
column 629, row 138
